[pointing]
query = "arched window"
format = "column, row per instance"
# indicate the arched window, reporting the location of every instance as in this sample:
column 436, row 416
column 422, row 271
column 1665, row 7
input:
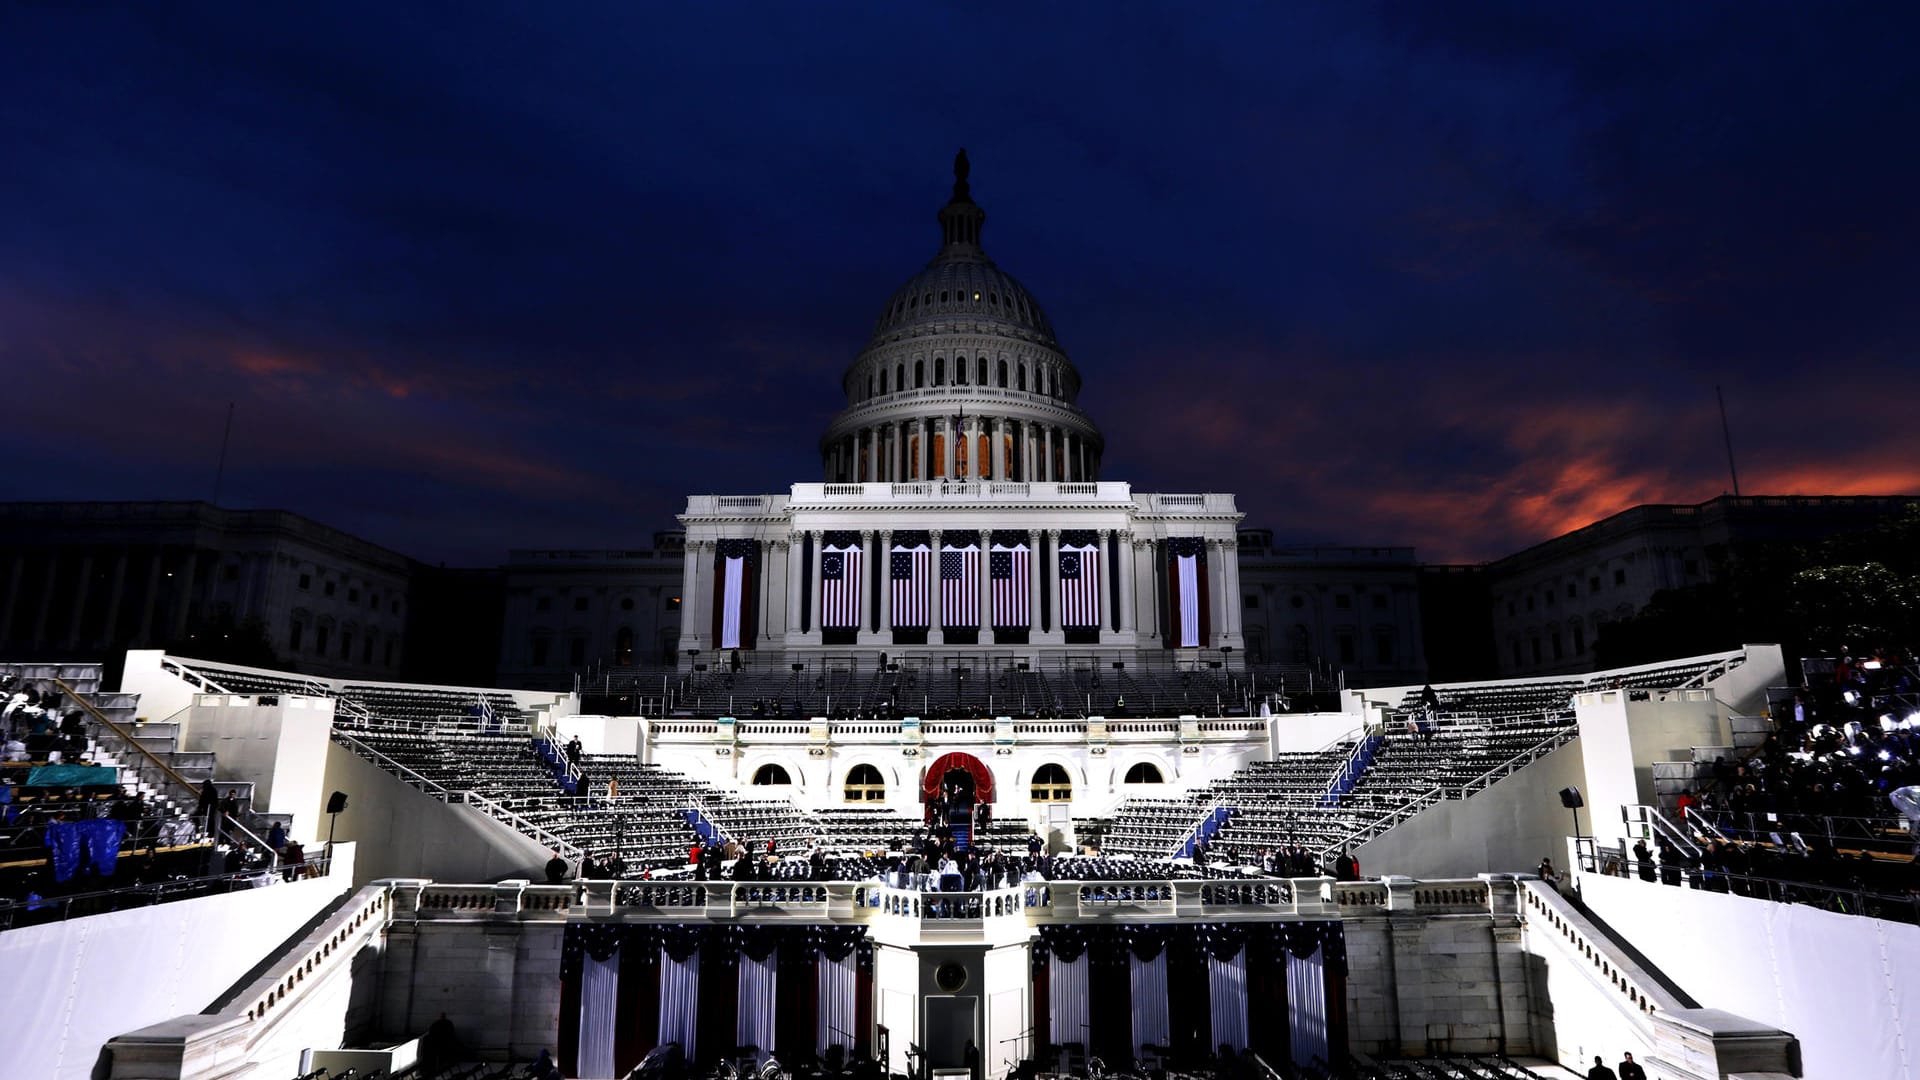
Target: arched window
column 1003, row 374
column 900, row 376
column 883, row 380
column 919, row 374
column 865, row 784
column 983, row 371
column 939, row 371
column 767, row 775
column 1051, row 784
column 869, row 385
column 1020, row 377
column 959, row 371
column 1145, row 772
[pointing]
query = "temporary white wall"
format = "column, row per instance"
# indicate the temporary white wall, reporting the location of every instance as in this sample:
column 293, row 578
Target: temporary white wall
column 1508, row 828
column 162, row 693
column 1843, row 984
column 78, row 983
column 603, row 734
column 1622, row 738
column 409, row 833
column 281, row 749
column 1301, row 733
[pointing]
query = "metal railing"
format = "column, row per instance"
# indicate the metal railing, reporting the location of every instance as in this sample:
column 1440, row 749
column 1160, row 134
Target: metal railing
column 1845, row 900
column 188, row 792
column 59, row 908
column 432, row 787
column 499, row 813
column 1517, row 762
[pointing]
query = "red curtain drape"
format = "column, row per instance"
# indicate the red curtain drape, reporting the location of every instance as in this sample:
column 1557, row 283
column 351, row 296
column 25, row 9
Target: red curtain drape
column 639, row 1004
column 982, row 778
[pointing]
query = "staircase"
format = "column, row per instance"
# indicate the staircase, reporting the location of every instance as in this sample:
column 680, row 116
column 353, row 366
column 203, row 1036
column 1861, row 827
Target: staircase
column 1204, row 831
column 1352, row 769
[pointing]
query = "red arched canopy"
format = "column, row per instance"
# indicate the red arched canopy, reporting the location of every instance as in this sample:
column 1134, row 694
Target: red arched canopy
column 982, row 779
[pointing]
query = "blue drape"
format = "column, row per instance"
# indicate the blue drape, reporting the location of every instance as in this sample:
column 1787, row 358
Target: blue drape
column 98, row 838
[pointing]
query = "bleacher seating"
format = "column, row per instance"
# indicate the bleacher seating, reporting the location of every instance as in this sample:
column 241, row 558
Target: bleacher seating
column 1481, row 729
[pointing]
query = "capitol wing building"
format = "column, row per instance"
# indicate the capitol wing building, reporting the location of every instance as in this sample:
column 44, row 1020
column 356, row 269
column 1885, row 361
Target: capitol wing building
column 962, row 516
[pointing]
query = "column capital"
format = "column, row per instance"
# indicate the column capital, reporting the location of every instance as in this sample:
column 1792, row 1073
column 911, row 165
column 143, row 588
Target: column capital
column 1053, row 535
column 866, row 536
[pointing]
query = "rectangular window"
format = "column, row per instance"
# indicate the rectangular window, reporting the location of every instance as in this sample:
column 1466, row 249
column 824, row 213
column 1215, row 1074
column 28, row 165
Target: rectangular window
column 541, row 645
column 1619, row 577
column 306, row 581
column 294, row 633
column 1593, row 584
column 353, row 596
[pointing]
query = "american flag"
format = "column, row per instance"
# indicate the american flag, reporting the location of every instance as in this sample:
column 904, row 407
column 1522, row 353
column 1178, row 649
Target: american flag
column 1187, row 571
column 910, row 569
column 840, row 587
column 960, row 586
column 1008, row 568
column 1079, row 586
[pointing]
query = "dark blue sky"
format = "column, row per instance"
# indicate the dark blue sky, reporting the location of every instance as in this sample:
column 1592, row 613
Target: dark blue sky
column 526, row 275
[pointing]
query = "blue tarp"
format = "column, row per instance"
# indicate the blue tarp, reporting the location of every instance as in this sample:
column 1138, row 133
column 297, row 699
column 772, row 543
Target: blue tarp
column 99, row 838
column 73, row 776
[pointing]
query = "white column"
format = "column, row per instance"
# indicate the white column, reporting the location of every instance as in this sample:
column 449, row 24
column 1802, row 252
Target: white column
column 816, row 633
column 1230, row 584
column 935, row 634
column 1106, row 581
column 1221, row 603
column 1127, row 614
column 773, row 563
column 792, row 623
column 986, row 585
column 1037, row 581
column 694, row 620
column 1000, row 450
column 1147, row 623
column 899, row 450
column 952, row 449
column 865, row 586
column 886, row 580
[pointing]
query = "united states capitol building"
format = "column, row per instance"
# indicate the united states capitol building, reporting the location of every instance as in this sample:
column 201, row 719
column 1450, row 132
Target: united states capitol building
column 963, row 762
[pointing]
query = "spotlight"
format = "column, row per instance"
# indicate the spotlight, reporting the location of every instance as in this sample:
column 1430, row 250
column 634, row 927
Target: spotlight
column 1884, row 756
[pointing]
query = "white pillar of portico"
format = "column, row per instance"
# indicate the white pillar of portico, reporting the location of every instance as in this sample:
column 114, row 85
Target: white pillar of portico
column 1230, row 585
column 886, row 586
column 1127, row 613
column 816, row 629
column 1219, row 601
column 693, row 619
column 1147, row 597
column 936, row 634
column 793, row 546
column 773, row 625
column 899, row 450
column 999, row 436
column 1045, row 586
column 951, row 452
column 865, row 587
column 1106, row 583
column 986, row 585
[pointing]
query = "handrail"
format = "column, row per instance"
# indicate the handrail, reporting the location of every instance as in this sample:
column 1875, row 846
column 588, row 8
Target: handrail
column 159, row 890
column 1516, row 762
column 381, row 759
column 508, row 817
column 1657, row 822
column 186, row 785
column 1382, row 824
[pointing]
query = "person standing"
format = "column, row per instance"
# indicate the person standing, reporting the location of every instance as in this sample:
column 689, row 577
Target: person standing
column 1643, row 859
column 1346, row 867
column 1631, row 1070
column 1600, row 1070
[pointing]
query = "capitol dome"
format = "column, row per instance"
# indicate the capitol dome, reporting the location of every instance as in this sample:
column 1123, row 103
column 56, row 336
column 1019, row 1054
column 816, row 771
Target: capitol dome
column 961, row 347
